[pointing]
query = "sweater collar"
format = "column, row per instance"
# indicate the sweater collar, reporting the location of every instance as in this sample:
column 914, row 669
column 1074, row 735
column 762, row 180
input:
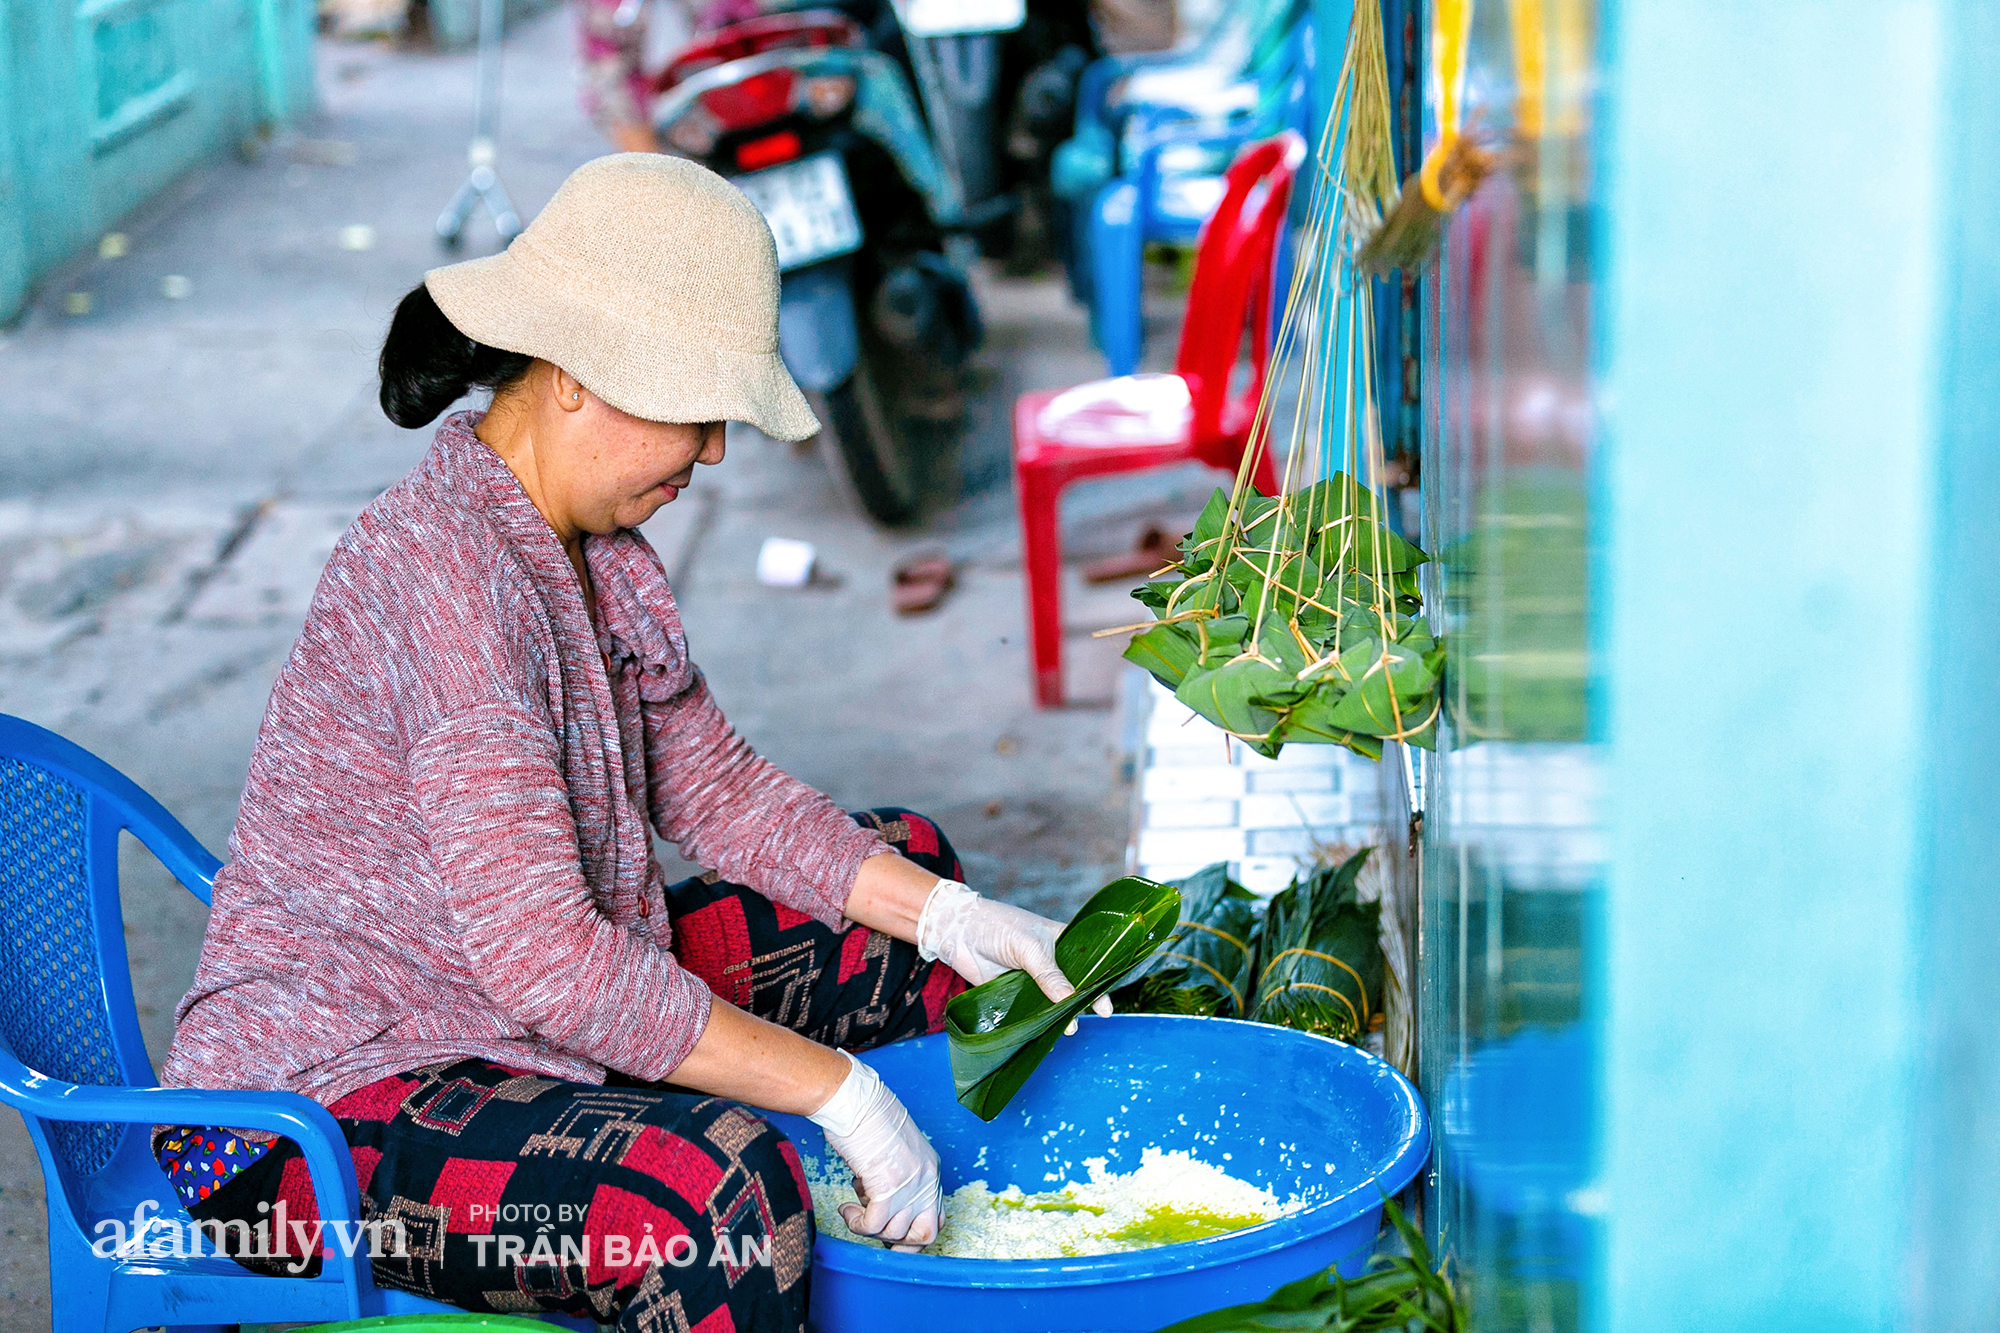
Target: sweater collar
column 637, row 618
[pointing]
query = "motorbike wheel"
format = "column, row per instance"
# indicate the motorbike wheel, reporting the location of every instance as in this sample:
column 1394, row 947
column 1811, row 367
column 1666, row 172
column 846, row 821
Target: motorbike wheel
column 857, row 422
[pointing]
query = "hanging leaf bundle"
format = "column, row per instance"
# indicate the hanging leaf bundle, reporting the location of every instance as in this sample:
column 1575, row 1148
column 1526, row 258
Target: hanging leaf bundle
column 1210, row 961
column 1321, row 968
column 1298, row 617
column 1001, row 1030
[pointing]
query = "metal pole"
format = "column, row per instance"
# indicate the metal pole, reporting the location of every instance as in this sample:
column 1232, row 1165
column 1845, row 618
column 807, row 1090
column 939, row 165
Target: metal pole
column 483, row 183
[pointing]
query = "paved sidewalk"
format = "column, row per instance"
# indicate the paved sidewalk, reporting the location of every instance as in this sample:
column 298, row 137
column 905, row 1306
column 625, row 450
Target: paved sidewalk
column 175, row 470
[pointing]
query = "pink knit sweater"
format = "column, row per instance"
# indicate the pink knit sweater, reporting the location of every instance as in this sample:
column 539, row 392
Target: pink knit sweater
column 442, row 850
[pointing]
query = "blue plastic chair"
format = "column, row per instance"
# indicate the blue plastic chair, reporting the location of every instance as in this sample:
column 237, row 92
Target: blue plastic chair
column 73, row 1064
column 1237, row 51
column 1177, row 182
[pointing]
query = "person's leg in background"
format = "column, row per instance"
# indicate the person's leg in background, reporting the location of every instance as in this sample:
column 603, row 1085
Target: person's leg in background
column 612, row 35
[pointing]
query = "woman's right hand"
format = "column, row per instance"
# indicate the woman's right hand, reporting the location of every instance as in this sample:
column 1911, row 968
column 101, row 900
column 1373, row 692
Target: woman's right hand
column 895, row 1168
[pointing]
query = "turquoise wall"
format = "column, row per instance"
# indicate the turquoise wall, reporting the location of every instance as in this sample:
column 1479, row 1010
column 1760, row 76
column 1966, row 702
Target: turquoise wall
column 1799, row 506
column 104, row 102
column 1954, row 1264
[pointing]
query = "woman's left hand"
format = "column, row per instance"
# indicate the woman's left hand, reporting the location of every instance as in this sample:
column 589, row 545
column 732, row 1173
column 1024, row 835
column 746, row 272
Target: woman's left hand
column 979, row 939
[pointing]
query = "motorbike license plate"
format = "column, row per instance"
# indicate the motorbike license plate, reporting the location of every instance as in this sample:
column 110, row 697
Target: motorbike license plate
column 809, row 207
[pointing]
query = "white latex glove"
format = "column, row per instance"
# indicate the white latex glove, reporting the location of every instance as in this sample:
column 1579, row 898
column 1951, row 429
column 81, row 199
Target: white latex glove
column 895, row 1168
column 979, row 939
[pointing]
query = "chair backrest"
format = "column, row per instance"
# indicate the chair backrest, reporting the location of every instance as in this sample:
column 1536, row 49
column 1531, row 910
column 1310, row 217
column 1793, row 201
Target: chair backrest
column 1231, row 294
column 66, row 1006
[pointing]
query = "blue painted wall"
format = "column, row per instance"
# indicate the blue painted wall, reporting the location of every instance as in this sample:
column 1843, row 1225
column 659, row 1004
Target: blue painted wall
column 1799, row 506
column 105, row 102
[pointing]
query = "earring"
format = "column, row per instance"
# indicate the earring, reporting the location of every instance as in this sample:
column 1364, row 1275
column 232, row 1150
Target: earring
column 575, row 396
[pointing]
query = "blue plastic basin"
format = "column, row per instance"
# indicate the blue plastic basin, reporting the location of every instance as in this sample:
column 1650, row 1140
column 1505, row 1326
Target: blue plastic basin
column 1301, row 1114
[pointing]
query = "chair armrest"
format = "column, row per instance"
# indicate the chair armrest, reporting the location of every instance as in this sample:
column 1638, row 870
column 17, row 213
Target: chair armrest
column 298, row 1118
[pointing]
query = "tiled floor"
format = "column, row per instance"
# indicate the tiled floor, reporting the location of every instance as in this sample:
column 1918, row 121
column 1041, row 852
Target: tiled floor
column 1204, row 797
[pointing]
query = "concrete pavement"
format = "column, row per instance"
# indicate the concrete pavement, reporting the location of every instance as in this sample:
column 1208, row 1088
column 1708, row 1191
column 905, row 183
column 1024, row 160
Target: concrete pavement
column 174, row 469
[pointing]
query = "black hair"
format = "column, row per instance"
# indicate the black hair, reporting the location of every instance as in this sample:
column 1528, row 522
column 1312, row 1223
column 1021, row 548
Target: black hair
column 427, row 364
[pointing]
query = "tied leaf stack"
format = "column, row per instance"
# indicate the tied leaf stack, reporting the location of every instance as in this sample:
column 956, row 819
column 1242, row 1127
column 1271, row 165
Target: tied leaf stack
column 1294, row 619
column 1210, row 962
column 1311, row 959
column 1321, row 969
column 1298, row 617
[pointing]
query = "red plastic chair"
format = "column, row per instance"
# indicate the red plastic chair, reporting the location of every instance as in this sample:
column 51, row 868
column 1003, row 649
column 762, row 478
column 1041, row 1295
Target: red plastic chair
column 1136, row 422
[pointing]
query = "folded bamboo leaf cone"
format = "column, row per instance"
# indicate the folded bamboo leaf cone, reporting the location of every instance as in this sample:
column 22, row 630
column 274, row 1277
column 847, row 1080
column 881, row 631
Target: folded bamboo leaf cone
column 1000, row 1031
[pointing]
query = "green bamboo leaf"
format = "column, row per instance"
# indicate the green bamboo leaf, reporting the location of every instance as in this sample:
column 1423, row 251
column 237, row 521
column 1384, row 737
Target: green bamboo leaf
column 1156, row 593
column 1307, row 721
column 1234, row 695
column 1376, row 674
column 1168, row 651
column 1000, row 1031
column 1277, row 643
column 1207, row 591
column 1358, row 542
column 1396, row 1294
column 1198, row 547
column 1223, row 638
column 1257, row 518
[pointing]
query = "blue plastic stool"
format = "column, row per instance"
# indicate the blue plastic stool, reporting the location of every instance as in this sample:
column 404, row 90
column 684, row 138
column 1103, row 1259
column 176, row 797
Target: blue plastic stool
column 73, row 1064
column 1251, row 43
column 1160, row 199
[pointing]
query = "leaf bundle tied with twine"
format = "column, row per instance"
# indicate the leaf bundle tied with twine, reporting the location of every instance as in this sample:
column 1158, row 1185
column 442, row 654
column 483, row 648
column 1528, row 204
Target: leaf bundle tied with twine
column 1321, row 966
column 1291, row 618
column 1297, row 617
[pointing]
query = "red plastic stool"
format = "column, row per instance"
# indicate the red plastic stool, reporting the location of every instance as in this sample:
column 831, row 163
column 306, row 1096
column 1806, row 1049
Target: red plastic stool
column 1136, row 422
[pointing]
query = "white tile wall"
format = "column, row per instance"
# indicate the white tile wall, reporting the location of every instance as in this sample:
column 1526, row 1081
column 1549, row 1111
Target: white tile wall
column 1206, row 798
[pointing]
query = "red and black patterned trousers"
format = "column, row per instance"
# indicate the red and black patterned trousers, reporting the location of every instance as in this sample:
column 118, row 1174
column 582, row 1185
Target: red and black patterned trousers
column 633, row 1204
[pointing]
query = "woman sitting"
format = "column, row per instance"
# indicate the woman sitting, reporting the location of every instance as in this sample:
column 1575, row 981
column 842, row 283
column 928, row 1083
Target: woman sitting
column 441, row 915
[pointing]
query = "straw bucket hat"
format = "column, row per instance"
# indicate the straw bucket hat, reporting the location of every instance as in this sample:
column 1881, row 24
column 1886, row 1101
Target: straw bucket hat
column 654, row 282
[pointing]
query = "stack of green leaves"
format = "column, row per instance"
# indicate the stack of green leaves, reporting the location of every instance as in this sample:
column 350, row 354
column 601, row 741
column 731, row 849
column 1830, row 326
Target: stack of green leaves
column 1296, row 619
column 1001, row 1030
column 1210, row 963
column 1399, row 1293
column 1320, row 968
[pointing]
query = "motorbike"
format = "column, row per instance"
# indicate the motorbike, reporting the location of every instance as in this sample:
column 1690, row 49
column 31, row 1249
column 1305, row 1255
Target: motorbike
column 997, row 79
column 875, row 321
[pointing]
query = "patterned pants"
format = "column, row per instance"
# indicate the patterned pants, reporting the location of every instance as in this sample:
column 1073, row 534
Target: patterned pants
column 634, row 1204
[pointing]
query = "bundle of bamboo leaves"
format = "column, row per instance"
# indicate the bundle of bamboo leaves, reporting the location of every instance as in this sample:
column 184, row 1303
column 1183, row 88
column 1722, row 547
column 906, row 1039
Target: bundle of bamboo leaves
column 1321, row 967
column 1399, row 1293
column 1292, row 619
column 1311, row 959
column 1210, row 962
column 1297, row 617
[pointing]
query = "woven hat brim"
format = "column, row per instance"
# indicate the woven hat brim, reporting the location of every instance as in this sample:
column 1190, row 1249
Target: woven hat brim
column 661, row 370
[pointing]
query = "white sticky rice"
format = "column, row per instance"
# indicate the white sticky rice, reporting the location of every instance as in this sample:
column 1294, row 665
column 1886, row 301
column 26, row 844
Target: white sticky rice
column 1170, row 1197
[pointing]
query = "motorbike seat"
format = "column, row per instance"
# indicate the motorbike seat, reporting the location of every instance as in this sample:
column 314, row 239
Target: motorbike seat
column 767, row 32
